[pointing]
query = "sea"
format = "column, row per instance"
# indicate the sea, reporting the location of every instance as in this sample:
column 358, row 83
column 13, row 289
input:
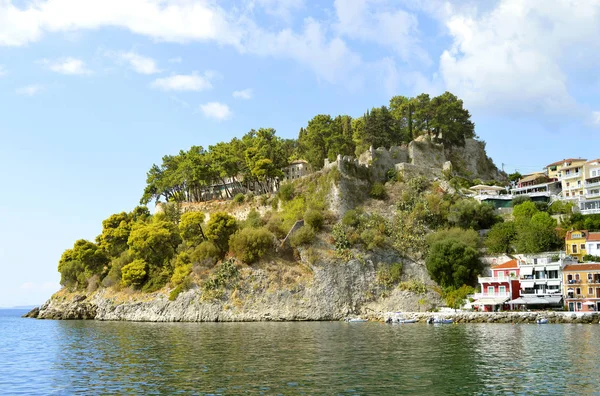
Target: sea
column 44, row 357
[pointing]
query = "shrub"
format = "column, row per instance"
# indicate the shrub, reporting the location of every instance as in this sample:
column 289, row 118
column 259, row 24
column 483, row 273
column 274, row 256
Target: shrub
column 157, row 279
column 275, row 203
column 183, row 267
column 452, row 263
column 275, row 225
column 340, row 237
column 250, row 244
column 186, row 284
column 253, row 220
column 286, row 192
column 389, row 275
column 591, row 258
column 372, row 238
column 225, row 272
column 239, row 198
column 314, row 219
column 303, row 236
column 501, row 238
column 519, row 200
column 206, row 253
column 114, row 274
column 134, row 273
column 263, row 200
column 351, row 218
column 414, row 286
column 378, row 191
column 391, row 174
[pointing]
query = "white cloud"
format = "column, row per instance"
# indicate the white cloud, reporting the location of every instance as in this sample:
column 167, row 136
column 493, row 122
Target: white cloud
column 29, row 90
column 173, row 21
column 281, row 9
column 216, row 110
column 185, row 82
column 521, row 56
column 381, row 22
column 175, row 60
column 138, row 63
column 66, row 65
column 243, row 94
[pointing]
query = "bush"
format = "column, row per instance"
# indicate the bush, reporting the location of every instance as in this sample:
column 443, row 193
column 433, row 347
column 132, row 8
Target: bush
column 114, row 274
column 253, row 220
column 351, row 218
column 275, row 203
column 372, row 238
column 224, row 273
column 501, row 238
column 314, row 219
column 468, row 237
column 190, row 227
column 519, row 200
column 286, row 192
column 452, row 263
column 391, row 175
column 239, row 198
column 468, row 213
column 340, row 237
column 275, row 225
column 413, row 286
column 389, row 275
column 157, row 279
column 590, row 258
column 183, row 267
column 303, row 236
column 249, row 244
column 134, row 273
column 206, row 253
column 185, row 284
column 378, row 191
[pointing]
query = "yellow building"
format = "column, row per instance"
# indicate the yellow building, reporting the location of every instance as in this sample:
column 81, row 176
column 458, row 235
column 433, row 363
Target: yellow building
column 571, row 174
column 553, row 170
column 581, row 287
column 575, row 244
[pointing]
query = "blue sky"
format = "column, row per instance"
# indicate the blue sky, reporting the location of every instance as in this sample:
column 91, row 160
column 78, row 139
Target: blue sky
column 93, row 92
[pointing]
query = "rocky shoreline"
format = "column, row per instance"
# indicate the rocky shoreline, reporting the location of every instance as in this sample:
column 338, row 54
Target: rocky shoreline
column 504, row 317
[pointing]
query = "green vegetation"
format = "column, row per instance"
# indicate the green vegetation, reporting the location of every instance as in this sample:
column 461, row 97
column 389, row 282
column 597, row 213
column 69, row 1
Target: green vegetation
column 378, row 191
column 314, row 219
column 219, row 228
column 251, row 244
column 303, row 236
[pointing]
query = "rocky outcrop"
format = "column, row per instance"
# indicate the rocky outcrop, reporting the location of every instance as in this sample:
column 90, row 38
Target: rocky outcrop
column 502, row 317
column 329, row 290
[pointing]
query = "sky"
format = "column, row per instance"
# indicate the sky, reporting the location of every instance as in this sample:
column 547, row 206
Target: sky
column 93, row 92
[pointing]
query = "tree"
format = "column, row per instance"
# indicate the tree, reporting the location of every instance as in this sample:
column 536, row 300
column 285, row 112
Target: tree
column 451, row 263
column 450, row 122
column 469, row 213
column 78, row 264
column 524, row 211
column 190, row 228
column 515, row 176
column 501, row 238
column 455, row 298
column 134, row 273
column 219, row 228
column 537, row 234
column 115, row 232
column 155, row 242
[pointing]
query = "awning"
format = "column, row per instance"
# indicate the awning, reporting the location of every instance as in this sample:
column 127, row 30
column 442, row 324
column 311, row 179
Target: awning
column 554, row 299
column 526, row 284
column 517, row 301
column 491, row 300
column 526, row 270
column 540, row 267
column 554, row 267
column 589, row 303
column 554, row 282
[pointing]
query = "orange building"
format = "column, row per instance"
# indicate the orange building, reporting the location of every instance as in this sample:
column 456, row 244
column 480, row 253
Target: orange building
column 581, row 284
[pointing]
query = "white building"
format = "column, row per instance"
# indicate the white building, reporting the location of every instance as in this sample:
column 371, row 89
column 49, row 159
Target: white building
column 590, row 202
column 296, row 169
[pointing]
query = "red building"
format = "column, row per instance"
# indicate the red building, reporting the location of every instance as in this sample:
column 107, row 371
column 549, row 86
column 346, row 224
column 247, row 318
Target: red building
column 499, row 288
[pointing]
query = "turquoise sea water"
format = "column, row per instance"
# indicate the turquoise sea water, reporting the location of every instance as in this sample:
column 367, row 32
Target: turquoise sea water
column 85, row 357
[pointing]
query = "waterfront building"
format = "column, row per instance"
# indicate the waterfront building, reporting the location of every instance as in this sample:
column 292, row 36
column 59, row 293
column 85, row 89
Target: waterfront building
column 497, row 289
column 590, row 202
column 592, row 244
column 541, row 281
column 581, row 287
column 492, row 195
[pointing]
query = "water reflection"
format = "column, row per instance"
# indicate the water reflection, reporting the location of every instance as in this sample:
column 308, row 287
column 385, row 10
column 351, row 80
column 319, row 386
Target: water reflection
column 305, row 358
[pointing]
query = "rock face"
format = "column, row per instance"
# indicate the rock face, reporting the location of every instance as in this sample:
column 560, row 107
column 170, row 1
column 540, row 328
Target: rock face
column 331, row 291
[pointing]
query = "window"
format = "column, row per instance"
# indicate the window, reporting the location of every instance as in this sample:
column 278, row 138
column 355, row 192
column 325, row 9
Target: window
column 582, row 246
column 578, row 291
column 502, row 289
column 598, row 246
column 590, row 291
column 579, row 306
column 490, row 289
column 574, row 248
column 567, row 184
column 593, row 173
column 576, row 276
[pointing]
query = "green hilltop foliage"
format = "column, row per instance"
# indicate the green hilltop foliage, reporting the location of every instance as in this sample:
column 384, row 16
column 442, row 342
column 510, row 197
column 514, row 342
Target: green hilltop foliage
column 421, row 220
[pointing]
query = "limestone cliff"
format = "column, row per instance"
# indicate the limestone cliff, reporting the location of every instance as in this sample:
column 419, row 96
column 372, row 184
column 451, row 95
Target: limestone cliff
column 329, row 289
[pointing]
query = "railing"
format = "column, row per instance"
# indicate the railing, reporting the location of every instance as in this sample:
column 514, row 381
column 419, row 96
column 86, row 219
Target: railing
column 593, row 195
column 490, row 295
column 570, row 176
column 573, row 281
column 540, row 292
column 590, row 211
column 594, row 184
column 496, row 279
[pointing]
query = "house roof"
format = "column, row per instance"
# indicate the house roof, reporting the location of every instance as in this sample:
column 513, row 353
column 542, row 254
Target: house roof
column 298, row 162
column 532, row 177
column 594, row 237
column 582, row 267
column 583, row 232
column 508, row 265
column 594, row 160
column 565, row 160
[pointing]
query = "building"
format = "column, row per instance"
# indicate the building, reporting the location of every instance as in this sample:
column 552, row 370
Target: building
column 581, row 287
column 296, row 169
column 592, row 244
column 581, row 243
column 590, row 204
column 497, row 289
column 553, row 170
column 541, row 281
column 492, row 195
column 538, row 186
column 571, row 176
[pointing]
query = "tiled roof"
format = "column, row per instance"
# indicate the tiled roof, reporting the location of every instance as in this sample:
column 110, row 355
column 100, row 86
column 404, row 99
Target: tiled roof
column 594, row 236
column 583, row 232
column 582, row 267
column 563, row 161
column 508, row 265
column 594, row 160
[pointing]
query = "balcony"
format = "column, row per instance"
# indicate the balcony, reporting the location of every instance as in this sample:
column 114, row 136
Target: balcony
column 570, row 176
column 590, row 211
column 574, row 281
column 546, row 292
column 495, row 279
column 593, row 184
column 592, row 195
column 478, row 296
